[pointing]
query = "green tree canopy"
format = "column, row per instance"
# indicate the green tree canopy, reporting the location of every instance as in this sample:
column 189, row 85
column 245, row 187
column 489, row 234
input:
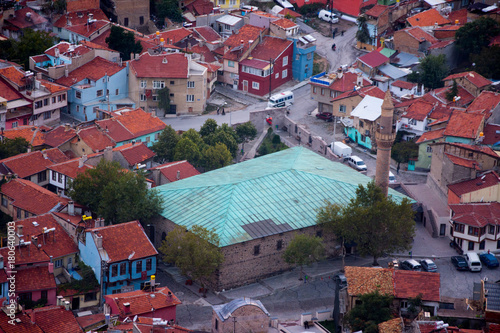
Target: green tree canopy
column 376, row 223
column 403, row 151
column 372, row 310
column 224, row 137
column 115, row 194
column 196, row 252
column 215, row 157
column 187, row 150
column 432, row 71
column 452, row 92
column 473, row 36
column 194, row 136
column 363, row 34
column 31, row 43
column 13, row 147
column 246, row 132
column 169, row 9
column 209, row 127
column 123, row 41
column 164, row 148
column 304, row 250
column 488, row 62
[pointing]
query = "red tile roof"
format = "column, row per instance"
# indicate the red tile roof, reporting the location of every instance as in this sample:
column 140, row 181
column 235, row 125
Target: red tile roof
column 286, row 11
column 246, row 33
column 53, row 88
column 9, row 93
column 464, row 125
column 373, row 91
column 92, row 45
column 211, row 67
column 87, row 322
column 495, row 41
column 173, row 35
column 440, row 45
column 32, row 134
column 464, row 162
column 87, row 30
column 420, row 35
column 491, row 134
column 409, row 284
column 284, row 23
column 391, row 326
column 115, row 130
column 479, row 149
column 169, row 170
column 365, row 280
column 173, row 65
column 55, row 319
column 21, row 20
column 490, row 178
column 125, row 240
column 135, row 153
column 376, row 10
column 59, row 136
column 80, row 17
column 31, row 197
column 13, row 74
column 70, row 168
column 441, row 111
column 403, row 84
column 460, row 15
column 93, row 70
column 67, row 49
column 427, row 18
column 25, row 281
column 141, row 302
column 476, row 79
column 137, row 122
column 352, row 7
column 95, row 138
column 465, row 96
column 271, row 48
column 25, row 326
column 208, row 34
column 374, row 59
column 55, row 155
column 40, row 58
column 485, row 102
column 418, row 110
column 431, row 135
column 204, row 51
column 28, row 164
column 476, row 214
column 29, row 254
column 347, row 82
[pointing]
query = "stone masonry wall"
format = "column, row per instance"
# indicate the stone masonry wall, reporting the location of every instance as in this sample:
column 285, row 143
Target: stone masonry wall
column 249, row 318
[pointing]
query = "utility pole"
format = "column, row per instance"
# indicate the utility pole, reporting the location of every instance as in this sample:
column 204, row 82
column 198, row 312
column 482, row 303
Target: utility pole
column 234, row 324
column 271, row 63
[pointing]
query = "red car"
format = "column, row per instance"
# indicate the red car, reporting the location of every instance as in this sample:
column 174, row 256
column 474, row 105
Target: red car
column 326, row 116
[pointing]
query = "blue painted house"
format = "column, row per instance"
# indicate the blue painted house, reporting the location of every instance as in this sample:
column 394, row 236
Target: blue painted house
column 99, row 84
column 121, row 256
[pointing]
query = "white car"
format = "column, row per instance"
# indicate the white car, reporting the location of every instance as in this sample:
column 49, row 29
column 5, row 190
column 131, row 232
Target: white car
column 356, row 162
column 392, row 178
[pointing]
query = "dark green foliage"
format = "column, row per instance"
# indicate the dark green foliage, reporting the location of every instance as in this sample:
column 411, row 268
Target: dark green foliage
column 224, row 137
column 164, row 148
column 403, row 151
column 13, row 147
column 116, row 195
column 488, row 62
column 169, row 9
column 209, row 127
column 363, row 34
column 246, row 132
column 366, row 219
column 304, row 250
column 373, row 310
column 475, row 35
column 433, row 69
column 54, row 7
column 186, row 149
column 311, row 9
column 452, row 92
column 164, row 99
column 271, row 144
column 215, row 157
column 86, row 284
column 123, row 41
column 31, row 43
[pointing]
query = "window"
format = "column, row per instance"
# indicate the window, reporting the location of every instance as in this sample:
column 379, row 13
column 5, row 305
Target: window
column 19, row 213
column 216, row 325
column 171, row 95
column 149, row 264
column 428, row 149
column 53, row 99
column 256, row 250
column 59, row 178
column 45, row 102
column 14, row 124
column 63, row 97
column 59, row 98
column 90, row 296
column 255, row 85
column 361, row 124
column 315, row 89
column 172, row 83
column 404, row 304
column 155, row 97
column 78, row 94
column 481, row 245
column 138, row 266
column 38, row 104
column 189, row 98
column 331, row 93
column 459, row 227
column 54, row 175
column 279, row 245
column 285, row 61
column 158, row 84
column 230, row 63
column 297, row 57
column 42, row 176
column 58, row 263
column 322, row 92
column 309, row 56
column 144, row 83
column 232, row 2
column 123, row 268
column 148, row 139
column 25, row 296
column 114, row 270
column 142, row 97
column 141, row 20
column 412, row 122
column 473, row 231
column 491, row 229
column 342, row 108
column 190, row 84
column 26, row 214
column 471, row 246
column 284, row 74
column 125, row 21
column 4, row 201
column 117, row 91
column 498, row 244
column 277, row 76
column 47, row 115
column 44, row 294
column 319, row 233
column 99, row 93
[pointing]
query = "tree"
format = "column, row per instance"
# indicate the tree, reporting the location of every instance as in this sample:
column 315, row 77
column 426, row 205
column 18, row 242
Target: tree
column 403, row 151
column 170, row 9
column 376, row 223
column 123, row 41
column 363, row 34
column 115, row 194
column 488, row 62
column 433, row 70
column 187, row 150
column 209, row 127
column 473, row 36
column 245, row 132
column 224, row 137
column 304, row 250
column 195, row 252
column 31, row 42
column 215, row 157
column 372, row 310
column 194, row 136
column 450, row 95
column 54, row 7
column 164, row 148
column 164, row 100
column 13, row 147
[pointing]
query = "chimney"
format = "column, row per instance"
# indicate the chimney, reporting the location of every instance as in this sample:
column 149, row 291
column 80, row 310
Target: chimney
column 29, row 150
column 66, row 72
column 59, row 300
column 51, row 267
column 66, row 305
column 178, row 175
column 81, row 160
column 20, row 230
column 33, row 316
column 71, row 208
column 108, row 153
column 67, row 127
column 44, row 153
column 127, row 307
column 98, row 241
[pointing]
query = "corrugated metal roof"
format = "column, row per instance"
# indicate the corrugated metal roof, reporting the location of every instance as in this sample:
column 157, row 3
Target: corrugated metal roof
column 392, row 71
column 263, row 196
column 370, row 108
column 229, row 19
column 404, row 59
column 225, row 310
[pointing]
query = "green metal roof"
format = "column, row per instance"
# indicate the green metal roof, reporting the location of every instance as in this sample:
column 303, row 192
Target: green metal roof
column 263, row 196
column 387, row 52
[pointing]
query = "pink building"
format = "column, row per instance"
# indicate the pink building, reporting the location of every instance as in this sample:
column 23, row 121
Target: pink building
column 36, row 282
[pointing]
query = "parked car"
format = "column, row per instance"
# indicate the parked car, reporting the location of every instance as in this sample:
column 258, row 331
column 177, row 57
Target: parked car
column 489, row 260
column 428, row 265
column 326, row 116
column 460, row 263
column 342, row 280
column 356, row 162
column 410, row 265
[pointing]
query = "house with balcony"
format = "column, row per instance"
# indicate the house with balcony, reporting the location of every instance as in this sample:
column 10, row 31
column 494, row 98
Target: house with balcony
column 365, row 117
column 326, row 87
column 176, row 75
column 414, row 120
column 15, row 110
column 267, row 67
column 121, row 256
column 99, row 84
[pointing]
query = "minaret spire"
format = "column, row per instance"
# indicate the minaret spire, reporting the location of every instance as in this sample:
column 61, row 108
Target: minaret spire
column 385, row 136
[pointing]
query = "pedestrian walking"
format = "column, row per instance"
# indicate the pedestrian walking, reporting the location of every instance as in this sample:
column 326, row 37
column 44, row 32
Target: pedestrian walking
column 342, row 33
column 334, row 47
column 223, row 112
column 306, row 324
column 397, row 169
column 218, row 110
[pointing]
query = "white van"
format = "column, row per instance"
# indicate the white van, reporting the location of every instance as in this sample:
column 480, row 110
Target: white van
column 356, row 162
column 327, row 16
column 280, row 100
column 473, row 262
column 392, row 178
